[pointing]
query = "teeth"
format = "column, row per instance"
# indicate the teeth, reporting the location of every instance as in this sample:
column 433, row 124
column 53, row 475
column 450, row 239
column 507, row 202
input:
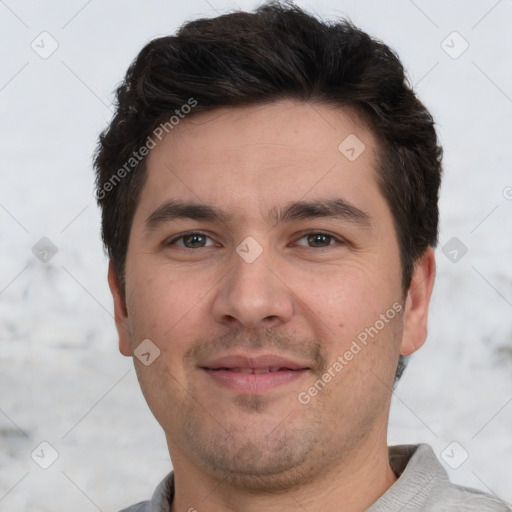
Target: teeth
column 255, row 371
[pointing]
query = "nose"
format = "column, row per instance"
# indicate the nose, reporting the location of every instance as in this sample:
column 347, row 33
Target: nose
column 253, row 295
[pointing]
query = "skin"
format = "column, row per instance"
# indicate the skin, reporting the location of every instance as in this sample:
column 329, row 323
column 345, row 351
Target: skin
column 299, row 298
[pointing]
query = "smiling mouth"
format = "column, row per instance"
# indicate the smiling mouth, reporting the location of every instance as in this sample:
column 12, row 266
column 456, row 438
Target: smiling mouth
column 256, row 371
column 246, row 380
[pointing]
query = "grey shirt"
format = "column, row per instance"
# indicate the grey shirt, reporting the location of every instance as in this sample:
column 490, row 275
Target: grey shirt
column 422, row 485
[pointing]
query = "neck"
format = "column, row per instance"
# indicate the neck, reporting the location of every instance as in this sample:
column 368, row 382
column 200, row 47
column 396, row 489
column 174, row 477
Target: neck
column 356, row 483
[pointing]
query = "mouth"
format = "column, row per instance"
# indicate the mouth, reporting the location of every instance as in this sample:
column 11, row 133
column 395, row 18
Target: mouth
column 250, row 374
column 255, row 371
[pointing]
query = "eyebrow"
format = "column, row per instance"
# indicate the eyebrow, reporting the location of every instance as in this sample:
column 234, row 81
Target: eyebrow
column 299, row 210
column 335, row 208
column 173, row 210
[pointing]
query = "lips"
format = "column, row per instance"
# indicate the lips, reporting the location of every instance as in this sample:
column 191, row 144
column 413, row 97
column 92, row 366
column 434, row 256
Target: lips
column 254, row 370
column 247, row 364
column 253, row 374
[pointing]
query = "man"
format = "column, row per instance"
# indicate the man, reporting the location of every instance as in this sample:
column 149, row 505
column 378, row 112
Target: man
column 269, row 190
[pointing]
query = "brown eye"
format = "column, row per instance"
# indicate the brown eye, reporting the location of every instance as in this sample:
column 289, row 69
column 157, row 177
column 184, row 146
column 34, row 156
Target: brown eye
column 192, row 241
column 319, row 240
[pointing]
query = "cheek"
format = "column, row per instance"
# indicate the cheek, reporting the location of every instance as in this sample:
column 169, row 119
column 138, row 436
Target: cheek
column 151, row 298
column 346, row 307
column 164, row 307
column 151, row 285
column 344, row 295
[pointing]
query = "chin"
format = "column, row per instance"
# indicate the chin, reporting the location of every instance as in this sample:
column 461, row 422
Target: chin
column 259, row 466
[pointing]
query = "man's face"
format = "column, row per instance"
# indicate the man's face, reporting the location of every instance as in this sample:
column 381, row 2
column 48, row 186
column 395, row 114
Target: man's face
column 257, row 291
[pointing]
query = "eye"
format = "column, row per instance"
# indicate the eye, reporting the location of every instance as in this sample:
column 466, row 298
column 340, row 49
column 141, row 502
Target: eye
column 194, row 240
column 318, row 240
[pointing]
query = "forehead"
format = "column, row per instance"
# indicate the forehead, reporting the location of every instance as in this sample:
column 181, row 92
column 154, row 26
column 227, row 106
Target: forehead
column 249, row 160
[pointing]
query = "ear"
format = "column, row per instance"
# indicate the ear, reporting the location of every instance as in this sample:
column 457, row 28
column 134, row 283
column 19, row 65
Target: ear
column 417, row 303
column 120, row 312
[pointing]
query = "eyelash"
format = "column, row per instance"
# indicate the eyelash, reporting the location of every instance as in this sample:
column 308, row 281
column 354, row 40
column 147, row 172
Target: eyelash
column 184, row 235
column 303, row 235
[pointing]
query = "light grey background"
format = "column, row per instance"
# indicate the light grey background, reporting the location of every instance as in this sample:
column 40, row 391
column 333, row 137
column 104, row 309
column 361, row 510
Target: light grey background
column 61, row 378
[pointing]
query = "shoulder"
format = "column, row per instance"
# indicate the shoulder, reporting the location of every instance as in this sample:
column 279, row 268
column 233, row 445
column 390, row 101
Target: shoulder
column 447, row 496
column 161, row 499
column 423, row 484
column 464, row 499
column 143, row 506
